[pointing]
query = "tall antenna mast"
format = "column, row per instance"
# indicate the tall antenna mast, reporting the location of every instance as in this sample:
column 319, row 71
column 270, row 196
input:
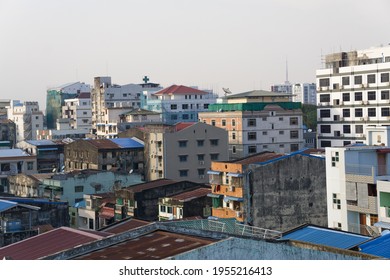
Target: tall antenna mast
column 286, row 82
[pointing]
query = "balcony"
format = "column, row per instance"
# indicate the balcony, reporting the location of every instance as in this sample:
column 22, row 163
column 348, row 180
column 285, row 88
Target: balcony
column 366, row 173
column 228, row 190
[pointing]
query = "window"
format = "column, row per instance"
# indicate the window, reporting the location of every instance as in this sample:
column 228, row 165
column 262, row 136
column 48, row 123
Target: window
column 205, row 106
column 358, row 96
column 200, row 156
column 251, row 122
column 346, row 96
column 173, row 106
column 183, row 173
column 214, row 142
column 358, row 112
column 346, row 129
column 233, row 122
column 324, row 113
column 345, row 81
column 324, row 97
column 214, row 156
column 358, row 80
column 336, row 201
column 233, row 149
column 384, row 77
column 335, row 158
column 252, row 149
column 186, row 116
column 281, row 132
column 294, row 120
column 294, row 147
column 184, row 106
column 173, row 117
column 78, row 188
column 223, row 122
column 200, row 143
column 385, row 95
column 169, row 208
column 358, row 128
column 324, row 82
column 371, row 95
column 30, row 165
column 163, row 209
column 371, row 112
column 265, row 133
column 213, row 122
column 325, row 128
column 326, row 143
column 371, row 78
column 294, row 134
column 281, row 145
column 281, row 119
column 385, row 112
column 183, row 143
column 183, row 158
column 201, row 171
column 252, row 135
column 346, row 113
column 233, row 135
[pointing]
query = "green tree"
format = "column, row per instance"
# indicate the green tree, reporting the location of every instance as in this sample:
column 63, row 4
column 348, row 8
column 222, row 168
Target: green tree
column 310, row 116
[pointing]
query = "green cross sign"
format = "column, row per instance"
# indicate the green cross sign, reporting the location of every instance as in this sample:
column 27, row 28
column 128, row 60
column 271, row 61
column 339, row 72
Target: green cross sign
column 145, row 79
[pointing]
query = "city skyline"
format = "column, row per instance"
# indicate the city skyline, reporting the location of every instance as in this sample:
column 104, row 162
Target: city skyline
column 237, row 45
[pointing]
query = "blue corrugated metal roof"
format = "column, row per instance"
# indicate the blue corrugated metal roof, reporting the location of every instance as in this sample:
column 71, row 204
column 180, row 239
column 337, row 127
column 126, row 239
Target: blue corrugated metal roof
column 379, row 246
column 43, row 142
column 127, row 143
column 328, row 237
column 5, row 205
column 13, row 153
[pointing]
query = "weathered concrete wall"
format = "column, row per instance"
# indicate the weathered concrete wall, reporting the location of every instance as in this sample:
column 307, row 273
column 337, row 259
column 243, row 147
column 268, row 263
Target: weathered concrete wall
column 247, row 249
column 287, row 193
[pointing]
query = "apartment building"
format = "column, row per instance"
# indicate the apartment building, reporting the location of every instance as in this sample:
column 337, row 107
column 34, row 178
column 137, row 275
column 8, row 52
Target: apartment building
column 78, row 112
column 271, row 190
column 110, row 101
column 7, row 133
column 15, row 161
column 27, row 118
column 352, row 174
column 353, row 92
column 183, row 151
column 120, row 154
column 179, row 103
column 254, row 127
column 55, row 99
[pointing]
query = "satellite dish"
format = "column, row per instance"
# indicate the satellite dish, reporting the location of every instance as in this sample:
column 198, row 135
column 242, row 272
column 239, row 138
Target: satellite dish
column 131, row 171
column 227, row 91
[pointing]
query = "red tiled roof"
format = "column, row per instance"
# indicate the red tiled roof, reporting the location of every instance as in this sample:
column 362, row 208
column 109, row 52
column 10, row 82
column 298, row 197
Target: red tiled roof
column 107, row 213
column 183, row 125
column 186, row 196
column 47, row 243
column 174, row 89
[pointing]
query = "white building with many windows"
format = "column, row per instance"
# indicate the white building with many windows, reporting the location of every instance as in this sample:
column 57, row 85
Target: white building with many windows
column 78, row 111
column 352, row 94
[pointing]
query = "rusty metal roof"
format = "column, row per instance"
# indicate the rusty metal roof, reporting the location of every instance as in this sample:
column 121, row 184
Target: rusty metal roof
column 187, row 196
column 47, row 243
column 153, row 246
column 261, row 157
column 124, row 225
column 103, row 144
column 150, row 185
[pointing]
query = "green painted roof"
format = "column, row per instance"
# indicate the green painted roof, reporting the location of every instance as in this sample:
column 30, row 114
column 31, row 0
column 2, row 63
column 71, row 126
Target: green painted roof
column 258, row 106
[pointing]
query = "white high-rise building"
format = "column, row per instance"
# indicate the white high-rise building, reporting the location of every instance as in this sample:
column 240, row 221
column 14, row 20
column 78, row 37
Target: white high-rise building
column 28, row 119
column 78, row 111
column 353, row 92
column 304, row 93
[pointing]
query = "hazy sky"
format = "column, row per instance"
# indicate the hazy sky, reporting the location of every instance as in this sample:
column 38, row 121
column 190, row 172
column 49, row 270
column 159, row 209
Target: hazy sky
column 242, row 45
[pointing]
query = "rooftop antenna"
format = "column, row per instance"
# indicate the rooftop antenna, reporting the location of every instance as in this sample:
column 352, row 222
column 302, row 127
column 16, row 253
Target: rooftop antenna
column 227, row 91
column 286, row 82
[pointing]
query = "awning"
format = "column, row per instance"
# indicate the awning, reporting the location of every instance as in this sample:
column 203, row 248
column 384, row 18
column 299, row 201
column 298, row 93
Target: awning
column 211, row 172
column 232, row 198
column 234, row 174
column 214, row 195
column 382, row 225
